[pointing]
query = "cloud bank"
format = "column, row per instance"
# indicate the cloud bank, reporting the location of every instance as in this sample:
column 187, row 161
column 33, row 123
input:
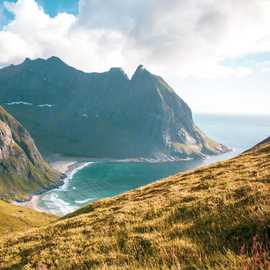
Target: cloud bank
column 178, row 37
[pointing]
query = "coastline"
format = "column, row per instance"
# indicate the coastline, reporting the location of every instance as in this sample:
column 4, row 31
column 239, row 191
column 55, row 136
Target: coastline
column 68, row 167
column 65, row 166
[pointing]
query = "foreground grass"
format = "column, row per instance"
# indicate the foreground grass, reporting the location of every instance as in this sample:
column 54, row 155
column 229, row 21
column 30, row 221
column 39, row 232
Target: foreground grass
column 216, row 217
column 15, row 218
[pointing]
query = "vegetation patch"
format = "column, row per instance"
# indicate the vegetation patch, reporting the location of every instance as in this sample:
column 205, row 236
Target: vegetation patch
column 217, row 218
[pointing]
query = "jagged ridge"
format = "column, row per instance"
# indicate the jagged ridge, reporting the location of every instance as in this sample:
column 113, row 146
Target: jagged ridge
column 102, row 114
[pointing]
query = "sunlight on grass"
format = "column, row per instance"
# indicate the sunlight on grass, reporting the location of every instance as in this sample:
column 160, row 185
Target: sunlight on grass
column 217, row 217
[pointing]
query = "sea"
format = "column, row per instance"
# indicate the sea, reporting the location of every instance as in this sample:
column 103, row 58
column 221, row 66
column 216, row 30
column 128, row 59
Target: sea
column 102, row 179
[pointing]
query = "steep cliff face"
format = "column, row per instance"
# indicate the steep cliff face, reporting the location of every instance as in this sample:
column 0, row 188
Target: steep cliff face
column 170, row 119
column 101, row 114
column 23, row 171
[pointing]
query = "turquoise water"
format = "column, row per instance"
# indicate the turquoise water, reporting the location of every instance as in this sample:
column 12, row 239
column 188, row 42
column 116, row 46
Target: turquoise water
column 105, row 179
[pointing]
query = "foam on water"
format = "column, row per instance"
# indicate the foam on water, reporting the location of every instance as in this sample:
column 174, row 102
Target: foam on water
column 53, row 203
column 105, row 179
column 71, row 175
column 85, row 201
column 56, row 205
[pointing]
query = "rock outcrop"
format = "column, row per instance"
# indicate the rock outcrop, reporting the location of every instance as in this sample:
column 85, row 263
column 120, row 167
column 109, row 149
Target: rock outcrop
column 23, row 171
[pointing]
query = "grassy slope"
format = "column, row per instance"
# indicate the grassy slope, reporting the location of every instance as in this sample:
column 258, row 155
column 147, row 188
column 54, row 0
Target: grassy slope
column 15, row 218
column 216, row 217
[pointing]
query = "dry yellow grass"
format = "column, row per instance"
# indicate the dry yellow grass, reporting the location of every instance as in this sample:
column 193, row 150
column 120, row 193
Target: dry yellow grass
column 16, row 218
column 217, row 217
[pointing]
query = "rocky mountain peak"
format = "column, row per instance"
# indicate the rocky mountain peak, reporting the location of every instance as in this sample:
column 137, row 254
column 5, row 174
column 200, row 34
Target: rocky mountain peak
column 55, row 59
column 102, row 115
column 139, row 72
column 119, row 72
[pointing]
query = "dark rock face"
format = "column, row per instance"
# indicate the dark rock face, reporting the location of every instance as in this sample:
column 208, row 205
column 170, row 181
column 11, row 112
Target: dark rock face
column 101, row 115
column 22, row 168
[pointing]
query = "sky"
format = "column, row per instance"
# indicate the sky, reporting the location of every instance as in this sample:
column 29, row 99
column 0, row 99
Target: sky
column 215, row 54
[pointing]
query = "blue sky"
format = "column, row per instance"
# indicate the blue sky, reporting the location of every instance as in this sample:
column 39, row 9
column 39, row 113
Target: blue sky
column 248, row 60
column 51, row 7
column 215, row 54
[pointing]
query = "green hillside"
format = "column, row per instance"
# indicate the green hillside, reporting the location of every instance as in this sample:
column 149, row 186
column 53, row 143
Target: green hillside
column 217, row 217
column 15, row 218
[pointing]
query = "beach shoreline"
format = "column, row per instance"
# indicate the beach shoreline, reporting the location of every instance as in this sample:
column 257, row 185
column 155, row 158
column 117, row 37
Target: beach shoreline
column 67, row 167
column 70, row 166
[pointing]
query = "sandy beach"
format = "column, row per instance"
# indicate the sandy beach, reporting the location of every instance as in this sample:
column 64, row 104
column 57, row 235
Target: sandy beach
column 32, row 204
column 63, row 166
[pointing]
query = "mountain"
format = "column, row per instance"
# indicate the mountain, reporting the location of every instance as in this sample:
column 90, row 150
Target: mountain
column 23, row 171
column 216, row 217
column 101, row 115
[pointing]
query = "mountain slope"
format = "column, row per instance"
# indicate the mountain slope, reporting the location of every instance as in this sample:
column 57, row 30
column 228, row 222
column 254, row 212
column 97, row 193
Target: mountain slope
column 101, row 114
column 22, row 168
column 215, row 217
column 16, row 218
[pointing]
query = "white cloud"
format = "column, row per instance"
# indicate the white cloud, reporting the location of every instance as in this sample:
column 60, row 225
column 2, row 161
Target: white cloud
column 186, row 38
column 179, row 39
column 263, row 66
column 33, row 36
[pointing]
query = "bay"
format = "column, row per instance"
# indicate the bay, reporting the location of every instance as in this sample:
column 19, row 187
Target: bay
column 102, row 179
